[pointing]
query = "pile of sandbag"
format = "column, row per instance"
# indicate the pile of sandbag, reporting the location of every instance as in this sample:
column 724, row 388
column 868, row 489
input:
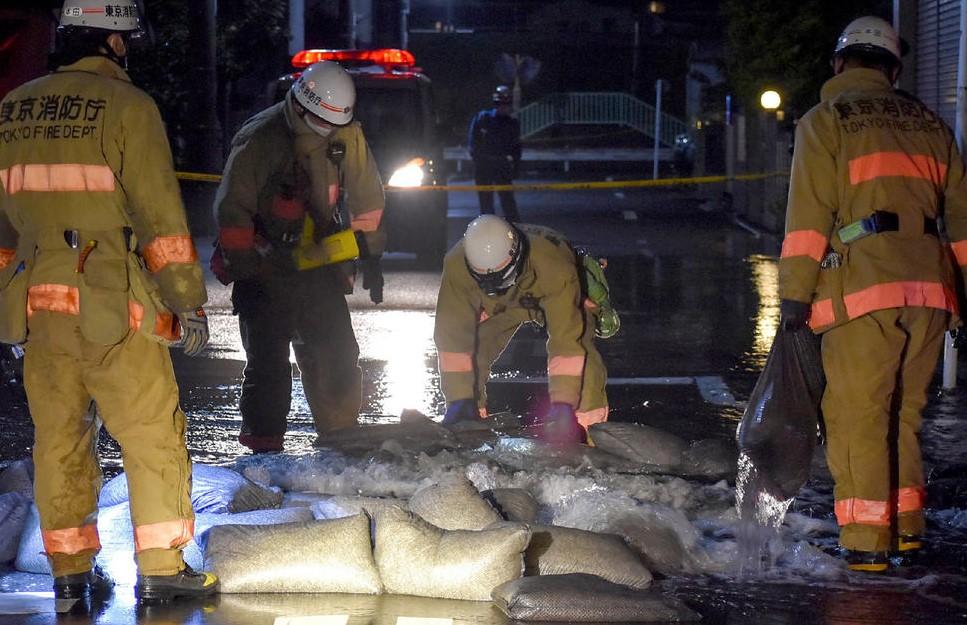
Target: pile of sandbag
column 451, row 543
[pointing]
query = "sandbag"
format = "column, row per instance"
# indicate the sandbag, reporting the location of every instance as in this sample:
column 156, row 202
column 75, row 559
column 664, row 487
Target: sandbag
column 18, row 477
column 213, row 489
column 561, row 550
column 339, row 506
column 14, row 508
column 709, row 457
column 515, row 504
column 417, row 558
column 194, row 552
column 580, row 598
column 453, row 504
column 777, row 433
column 639, row 443
column 317, row 556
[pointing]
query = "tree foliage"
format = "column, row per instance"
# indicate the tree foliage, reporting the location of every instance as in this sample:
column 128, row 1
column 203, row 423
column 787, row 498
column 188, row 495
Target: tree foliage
column 251, row 45
column 787, row 45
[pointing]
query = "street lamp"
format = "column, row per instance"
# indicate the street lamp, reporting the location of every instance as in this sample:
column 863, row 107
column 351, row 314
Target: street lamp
column 770, row 100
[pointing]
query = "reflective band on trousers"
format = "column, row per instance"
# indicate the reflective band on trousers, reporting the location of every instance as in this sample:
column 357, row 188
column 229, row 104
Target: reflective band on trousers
column 57, row 178
column 368, row 221
column 959, row 248
column 565, row 365
column 71, row 540
column 871, row 512
column 882, row 164
column 58, row 298
column 6, row 256
column 588, row 418
column 887, row 295
column 456, row 362
column 164, row 535
column 811, row 243
column 172, row 249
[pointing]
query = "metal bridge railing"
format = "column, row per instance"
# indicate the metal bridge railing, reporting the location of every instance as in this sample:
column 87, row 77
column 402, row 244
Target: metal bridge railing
column 598, row 108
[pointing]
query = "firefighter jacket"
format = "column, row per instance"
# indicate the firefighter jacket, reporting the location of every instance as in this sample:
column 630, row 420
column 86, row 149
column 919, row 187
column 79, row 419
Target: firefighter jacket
column 548, row 290
column 93, row 232
column 494, row 136
column 864, row 148
column 278, row 172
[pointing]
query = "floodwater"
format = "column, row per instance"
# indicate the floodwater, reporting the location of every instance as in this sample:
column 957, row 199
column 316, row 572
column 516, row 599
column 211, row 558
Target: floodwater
column 698, row 304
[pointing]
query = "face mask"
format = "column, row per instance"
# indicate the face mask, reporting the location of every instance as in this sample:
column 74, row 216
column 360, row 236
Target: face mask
column 323, row 129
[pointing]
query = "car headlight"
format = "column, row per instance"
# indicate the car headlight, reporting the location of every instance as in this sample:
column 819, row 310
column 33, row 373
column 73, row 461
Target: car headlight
column 409, row 175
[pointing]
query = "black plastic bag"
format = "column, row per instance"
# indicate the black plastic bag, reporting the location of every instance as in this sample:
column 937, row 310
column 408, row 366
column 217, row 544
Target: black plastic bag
column 778, row 430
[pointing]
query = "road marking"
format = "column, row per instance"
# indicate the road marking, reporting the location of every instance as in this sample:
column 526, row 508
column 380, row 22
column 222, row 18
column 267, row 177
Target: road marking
column 630, row 215
column 712, row 388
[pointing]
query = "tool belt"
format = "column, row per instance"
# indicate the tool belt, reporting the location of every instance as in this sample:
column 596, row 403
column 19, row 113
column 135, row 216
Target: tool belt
column 880, row 221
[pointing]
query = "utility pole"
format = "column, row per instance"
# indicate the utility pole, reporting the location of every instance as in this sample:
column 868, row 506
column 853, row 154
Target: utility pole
column 203, row 129
column 297, row 26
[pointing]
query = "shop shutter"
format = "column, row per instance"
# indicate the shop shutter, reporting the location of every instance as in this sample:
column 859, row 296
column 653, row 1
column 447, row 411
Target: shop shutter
column 938, row 40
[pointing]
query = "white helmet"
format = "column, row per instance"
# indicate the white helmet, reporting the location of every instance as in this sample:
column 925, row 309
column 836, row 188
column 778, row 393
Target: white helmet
column 326, row 90
column 494, row 252
column 115, row 15
column 870, row 33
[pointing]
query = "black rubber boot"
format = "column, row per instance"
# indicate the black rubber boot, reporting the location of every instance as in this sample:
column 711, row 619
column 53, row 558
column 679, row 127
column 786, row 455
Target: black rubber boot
column 187, row 584
column 73, row 593
column 867, row 561
column 93, row 582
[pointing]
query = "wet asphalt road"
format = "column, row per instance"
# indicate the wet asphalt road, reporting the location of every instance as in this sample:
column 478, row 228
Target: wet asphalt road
column 698, row 303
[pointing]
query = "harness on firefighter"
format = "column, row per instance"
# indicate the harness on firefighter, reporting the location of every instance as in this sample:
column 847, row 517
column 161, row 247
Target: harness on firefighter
column 595, row 285
column 879, row 221
column 316, row 249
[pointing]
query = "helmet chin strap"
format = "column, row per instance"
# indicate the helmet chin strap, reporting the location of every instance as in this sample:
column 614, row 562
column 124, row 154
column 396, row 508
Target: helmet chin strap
column 108, row 52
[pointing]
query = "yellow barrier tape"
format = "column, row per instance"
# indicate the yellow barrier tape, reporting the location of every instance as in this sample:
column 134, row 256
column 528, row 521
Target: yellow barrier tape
column 549, row 186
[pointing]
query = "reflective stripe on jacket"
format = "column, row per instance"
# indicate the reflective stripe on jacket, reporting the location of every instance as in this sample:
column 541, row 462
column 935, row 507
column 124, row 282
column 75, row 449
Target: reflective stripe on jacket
column 87, row 180
column 278, row 172
column 866, row 148
column 548, row 288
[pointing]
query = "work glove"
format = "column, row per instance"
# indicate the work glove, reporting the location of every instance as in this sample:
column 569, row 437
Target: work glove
column 194, row 331
column 373, row 278
column 461, row 410
column 793, row 315
column 560, row 426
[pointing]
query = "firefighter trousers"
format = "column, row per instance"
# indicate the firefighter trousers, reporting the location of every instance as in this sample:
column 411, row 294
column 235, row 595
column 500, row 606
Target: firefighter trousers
column 493, row 336
column 878, row 368
column 133, row 385
column 307, row 310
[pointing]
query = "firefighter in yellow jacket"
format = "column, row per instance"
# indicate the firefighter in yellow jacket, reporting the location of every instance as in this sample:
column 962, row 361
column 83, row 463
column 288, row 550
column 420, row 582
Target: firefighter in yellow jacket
column 863, row 263
column 98, row 274
column 498, row 277
column 300, row 193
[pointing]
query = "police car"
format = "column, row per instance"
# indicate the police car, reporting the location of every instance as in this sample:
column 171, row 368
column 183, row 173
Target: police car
column 394, row 104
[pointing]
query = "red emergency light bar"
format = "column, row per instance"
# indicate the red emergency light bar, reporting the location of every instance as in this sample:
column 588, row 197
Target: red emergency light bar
column 386, row 57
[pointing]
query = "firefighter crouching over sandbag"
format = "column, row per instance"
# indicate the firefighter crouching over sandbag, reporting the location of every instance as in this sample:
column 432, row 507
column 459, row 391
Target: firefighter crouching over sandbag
column 864, row 264
column 500, row 276
column 295, row 170
column 98, row 274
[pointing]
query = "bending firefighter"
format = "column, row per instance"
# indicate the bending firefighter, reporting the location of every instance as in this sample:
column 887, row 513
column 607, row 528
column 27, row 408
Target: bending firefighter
column 300, row 199
column 864, row 264
column 98, row 274
column 500, row 276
